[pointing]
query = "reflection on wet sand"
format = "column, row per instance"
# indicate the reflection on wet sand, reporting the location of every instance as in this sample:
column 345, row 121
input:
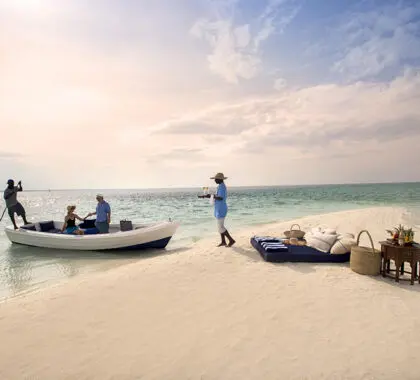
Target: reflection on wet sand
column 29, row 267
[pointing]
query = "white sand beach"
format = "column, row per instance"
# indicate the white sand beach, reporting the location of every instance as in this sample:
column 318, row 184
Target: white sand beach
column 221, row 313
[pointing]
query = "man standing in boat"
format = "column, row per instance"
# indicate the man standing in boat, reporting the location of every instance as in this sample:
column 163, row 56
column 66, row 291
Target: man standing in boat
column 103, row 215
column 12, row 204
column 220, row 208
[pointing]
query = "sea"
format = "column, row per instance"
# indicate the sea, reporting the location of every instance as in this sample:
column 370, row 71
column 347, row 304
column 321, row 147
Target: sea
column 27, row 269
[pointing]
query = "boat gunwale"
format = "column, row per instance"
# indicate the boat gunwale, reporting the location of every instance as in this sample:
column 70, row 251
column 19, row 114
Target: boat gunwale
column 139, row 229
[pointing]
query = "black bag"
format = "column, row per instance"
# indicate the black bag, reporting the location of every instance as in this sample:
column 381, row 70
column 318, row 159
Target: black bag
column 126, row 225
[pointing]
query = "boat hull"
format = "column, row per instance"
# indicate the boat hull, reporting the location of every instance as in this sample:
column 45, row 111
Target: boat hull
column 156, row 244
column 155, row 236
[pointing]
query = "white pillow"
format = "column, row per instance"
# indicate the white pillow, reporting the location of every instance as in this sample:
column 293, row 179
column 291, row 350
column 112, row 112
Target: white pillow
column 321, row 242
column 328, row 238
column 345, row 235
column 315, row 230
column 342, row 246
column 330, row 231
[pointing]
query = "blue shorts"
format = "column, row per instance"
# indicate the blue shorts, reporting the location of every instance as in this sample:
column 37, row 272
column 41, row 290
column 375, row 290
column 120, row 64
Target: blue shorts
column 70, row 230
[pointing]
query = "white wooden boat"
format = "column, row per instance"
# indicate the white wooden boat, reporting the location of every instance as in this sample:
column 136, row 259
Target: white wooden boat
column 47, row 235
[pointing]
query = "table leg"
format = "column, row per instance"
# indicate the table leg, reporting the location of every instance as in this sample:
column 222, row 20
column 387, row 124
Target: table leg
column 418, row 272
column 388, row 266
column 413, row 272
column 383, row 266
column 397, row 270
column 402, row 268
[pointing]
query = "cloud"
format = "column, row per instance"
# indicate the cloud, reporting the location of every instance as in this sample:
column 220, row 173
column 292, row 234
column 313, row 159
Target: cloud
column 378, row 40
column 231, row 56
column 10, row 155
column 211, row 125
column 325, row 120
column 132, row 87
column 332, row 136
column 277, row 15
column 236, row 48
column 280, row 84
column 174, row 155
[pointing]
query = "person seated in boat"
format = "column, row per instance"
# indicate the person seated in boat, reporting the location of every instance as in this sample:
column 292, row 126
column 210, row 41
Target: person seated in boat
column 69, row 226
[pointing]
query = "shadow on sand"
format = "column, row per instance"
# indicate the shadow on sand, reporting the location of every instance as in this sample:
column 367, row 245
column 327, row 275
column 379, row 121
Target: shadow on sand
column 300, row 267
column 20, row 252
column 249, row 253
column 404, row 283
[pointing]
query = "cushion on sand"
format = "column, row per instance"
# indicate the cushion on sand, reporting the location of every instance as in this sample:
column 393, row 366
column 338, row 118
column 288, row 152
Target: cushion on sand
column 345, row 235
column 297, row 253
column 321, row 242
column 314, row 230
column 342, row 246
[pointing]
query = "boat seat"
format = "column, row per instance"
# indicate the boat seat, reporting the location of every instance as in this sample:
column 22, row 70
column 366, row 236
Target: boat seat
column 30, row 227
column 47, row 226
column 90, row 231
column 88, row 223
column 54, row 231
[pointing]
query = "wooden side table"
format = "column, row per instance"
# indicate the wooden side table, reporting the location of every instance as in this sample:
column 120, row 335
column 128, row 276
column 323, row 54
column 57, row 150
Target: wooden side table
column 400, row 255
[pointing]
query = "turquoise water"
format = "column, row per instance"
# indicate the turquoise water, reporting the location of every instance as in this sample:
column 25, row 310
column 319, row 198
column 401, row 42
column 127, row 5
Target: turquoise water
column 24, row 269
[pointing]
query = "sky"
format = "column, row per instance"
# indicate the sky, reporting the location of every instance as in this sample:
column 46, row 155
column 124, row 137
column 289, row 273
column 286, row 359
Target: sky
column 165, row 93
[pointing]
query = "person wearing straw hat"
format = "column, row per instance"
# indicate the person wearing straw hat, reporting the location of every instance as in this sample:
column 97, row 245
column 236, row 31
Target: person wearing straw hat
column 103, row 215
column 220, row 208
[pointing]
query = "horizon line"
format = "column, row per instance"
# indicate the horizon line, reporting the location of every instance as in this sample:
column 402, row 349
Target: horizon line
column 232, row 187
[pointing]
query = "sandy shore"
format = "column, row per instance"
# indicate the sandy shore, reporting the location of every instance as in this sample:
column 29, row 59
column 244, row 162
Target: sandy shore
column 219, row 313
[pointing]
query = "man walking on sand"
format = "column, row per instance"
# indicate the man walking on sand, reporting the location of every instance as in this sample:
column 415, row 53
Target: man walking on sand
column 220, row 209
column 12, row 204
column 103, row 215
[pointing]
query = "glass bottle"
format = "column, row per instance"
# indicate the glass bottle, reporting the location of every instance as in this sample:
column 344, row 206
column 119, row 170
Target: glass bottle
column 401, row 238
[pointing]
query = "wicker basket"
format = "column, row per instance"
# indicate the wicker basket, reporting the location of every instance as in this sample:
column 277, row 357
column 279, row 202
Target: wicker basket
column 365, row 260
column 294, row 233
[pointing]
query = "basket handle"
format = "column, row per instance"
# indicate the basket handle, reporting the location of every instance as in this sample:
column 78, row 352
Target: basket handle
column 370, row 238
column 291, row 227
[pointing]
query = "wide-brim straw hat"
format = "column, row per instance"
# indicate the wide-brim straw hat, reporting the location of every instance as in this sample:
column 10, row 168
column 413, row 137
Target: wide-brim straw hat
column 219, row 176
